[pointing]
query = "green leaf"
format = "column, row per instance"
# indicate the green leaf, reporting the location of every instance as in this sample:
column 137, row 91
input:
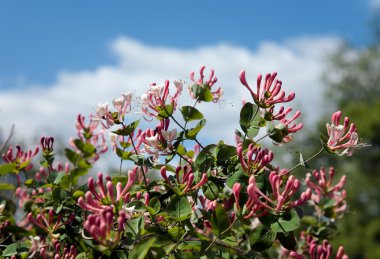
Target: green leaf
column 7, row 168
column 238, row 177
column 123, row 154
column 202, row 92
column 59, row 177
column 176, row 232
column 190, row 113
column 192, row 133
column 179, row 208
column 15, row 248
column 134, row 226
column 219, row 221
column 29, row 183
column 205, row 159
column 165, row 112
column 247, row 114
column 121, row 254
column 127, row 131
column 287, row 222
column 225, row 152
column 155, row 204
column 87, row 149
column 210, row 190
column 262, row 238
column 140, row 250
column 287, row 240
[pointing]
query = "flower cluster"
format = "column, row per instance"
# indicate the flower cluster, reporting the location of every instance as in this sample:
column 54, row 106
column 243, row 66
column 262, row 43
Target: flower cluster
column 220, row 199
column 343, row 139
column 280, row 199
column 325, row 193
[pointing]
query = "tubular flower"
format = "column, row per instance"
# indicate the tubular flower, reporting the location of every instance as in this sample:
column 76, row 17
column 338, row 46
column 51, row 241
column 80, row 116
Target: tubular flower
column 342, row 139
column 201, row 90
column 323, row 187
column 102, row 226
column 122, row 105
column 134, row 137
column 103, row 115
column 65, row 253
column 254, row 158
column 282, row 132
column 282, row 192
column 101, row 196
column 314, row 250
column 154, row 102
column 269, row 93
column 159, row 141
column 50, row 224
column 21, row 159
column 89, row 134
column 184, row 177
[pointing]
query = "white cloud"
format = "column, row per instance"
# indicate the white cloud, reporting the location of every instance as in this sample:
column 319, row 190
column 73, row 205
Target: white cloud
column 38, row 110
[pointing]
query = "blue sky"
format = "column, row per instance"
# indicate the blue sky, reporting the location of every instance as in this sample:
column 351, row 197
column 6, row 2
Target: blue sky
column 61, row 58
column 41, row 38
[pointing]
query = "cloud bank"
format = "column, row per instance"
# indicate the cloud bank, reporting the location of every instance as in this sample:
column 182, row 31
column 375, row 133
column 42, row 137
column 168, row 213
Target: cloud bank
column 39, row 110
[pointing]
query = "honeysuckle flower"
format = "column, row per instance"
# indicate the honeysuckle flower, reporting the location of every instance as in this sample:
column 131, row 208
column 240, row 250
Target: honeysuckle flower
column 156, row 100
column 67, row 252
column 102, row 226
column 197, row 91
column 38, row 245
column 284, row 130
column 184, row 177
column 323, row 188
column 103, row 115
column 269, row 93
column 50, row 224
column 254, row 158
column 159, row 141
column 281, row 194
column 122, row 105
column 20, row 158
column 314, row 250
column 100, row 195
column 342, row 139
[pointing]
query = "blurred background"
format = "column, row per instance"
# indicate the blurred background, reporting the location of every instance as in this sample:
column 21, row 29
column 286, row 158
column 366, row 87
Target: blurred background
column 58, row 59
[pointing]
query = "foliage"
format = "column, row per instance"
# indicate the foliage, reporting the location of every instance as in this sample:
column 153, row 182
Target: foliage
column 179, row 198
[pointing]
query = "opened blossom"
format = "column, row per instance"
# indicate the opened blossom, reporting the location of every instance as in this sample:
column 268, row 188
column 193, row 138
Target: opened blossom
column 269, row 93
column 207, row 85
column 156, row 99
column 342, row 139
column 159, row 141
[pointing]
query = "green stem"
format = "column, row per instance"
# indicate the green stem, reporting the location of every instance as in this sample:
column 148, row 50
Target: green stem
column 263, row 137
column 307, row 160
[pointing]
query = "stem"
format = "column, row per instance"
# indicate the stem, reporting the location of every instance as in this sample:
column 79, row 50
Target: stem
column 263, row 137
column 142, row 168
column 307, row 160
column 135, row 149
column 213, row 241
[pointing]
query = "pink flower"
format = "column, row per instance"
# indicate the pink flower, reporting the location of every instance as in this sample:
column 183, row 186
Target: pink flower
column 156, row 99
column 20, row 158
column 102, row 226
column 281, row 197
column 122, row 105
column 254, row 159
column 269, row 93
column 323, row 187
column 282, row 132
column 342, row 139
column 101, row 196
column 103, row 115
column 197, row 91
